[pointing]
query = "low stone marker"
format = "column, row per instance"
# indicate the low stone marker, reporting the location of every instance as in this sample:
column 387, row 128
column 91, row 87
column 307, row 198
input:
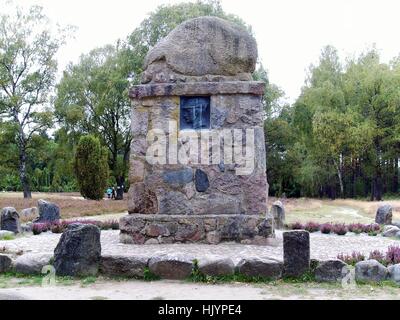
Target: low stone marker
column 32, row 263
column 5, row 263
column 278, row 212
column 10, row 220
column 260, row 268
column 78, row 252
column 296, row 253
column 384, row 214
column 371, row 271
column 394, row 273
column 111, row 265
column 390, row 231
column 168, row 266
column 331, row 271
column 48, row 211
column 29, row 212
column 215, row 268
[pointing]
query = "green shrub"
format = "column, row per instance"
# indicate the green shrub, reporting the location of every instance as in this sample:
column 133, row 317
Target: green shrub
column 91, row 167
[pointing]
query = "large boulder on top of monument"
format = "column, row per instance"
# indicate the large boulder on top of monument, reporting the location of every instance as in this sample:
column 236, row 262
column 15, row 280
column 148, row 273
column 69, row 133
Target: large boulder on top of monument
column 78, row 252
column 203, row 46
column 9, row 220
column 48, row 211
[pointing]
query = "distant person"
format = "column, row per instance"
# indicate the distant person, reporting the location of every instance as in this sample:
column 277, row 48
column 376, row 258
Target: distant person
column 109, row 193
column 113, row 193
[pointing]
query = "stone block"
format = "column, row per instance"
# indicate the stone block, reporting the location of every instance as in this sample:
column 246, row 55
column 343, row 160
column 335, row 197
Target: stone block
column 296, row 253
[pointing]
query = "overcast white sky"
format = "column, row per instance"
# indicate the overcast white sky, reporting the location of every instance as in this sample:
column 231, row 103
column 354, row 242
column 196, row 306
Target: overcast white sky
column 290, row 33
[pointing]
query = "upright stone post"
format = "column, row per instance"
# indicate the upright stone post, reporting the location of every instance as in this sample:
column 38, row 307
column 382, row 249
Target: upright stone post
column 197, row 166
column 9, row 220
column 296, row 253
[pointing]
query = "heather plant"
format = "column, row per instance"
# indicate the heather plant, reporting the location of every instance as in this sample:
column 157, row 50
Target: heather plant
column 311, row 226
column 340, row 229
column 351, row 259
column 110, row 224
column 326, row 228
column 57, row 227
column 297, row 226
column 356, row 228
column 38, row 228
column 393, row 255
column 371, row 228
column 378, row 256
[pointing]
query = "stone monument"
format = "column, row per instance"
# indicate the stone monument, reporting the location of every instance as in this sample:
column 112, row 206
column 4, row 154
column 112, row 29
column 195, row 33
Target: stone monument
column 197, row 166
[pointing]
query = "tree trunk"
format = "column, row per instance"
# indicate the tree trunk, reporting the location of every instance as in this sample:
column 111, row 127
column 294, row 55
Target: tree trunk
column 22, row 173
column 377, row 186
column 21, row 144
column 395, row 185
column 340, row 177
column 353, row 178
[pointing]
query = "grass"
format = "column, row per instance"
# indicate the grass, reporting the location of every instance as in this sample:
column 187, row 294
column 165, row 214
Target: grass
column 8, row 237
column 88, row 280
column 197, row 276
column 12, row 280
column 149, row 276
column 72, row 205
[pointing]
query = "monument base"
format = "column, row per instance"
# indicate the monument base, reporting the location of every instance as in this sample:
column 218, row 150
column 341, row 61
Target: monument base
column 208, row 229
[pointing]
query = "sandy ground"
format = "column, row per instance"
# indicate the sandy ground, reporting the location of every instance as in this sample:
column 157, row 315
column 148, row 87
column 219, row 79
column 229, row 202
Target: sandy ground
column 340, row 210
column 177, row 290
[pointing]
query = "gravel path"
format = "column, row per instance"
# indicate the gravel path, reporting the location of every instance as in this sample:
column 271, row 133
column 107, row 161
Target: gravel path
column 322, row 246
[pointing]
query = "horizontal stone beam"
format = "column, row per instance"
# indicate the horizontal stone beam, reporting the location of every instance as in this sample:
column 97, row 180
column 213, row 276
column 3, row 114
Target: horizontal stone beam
column 197, row 88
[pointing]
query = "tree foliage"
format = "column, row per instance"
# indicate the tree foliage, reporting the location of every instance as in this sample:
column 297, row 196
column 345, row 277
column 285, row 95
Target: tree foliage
column 91, row 167
column 92, row 98
column 344, row 129
column 27, row 75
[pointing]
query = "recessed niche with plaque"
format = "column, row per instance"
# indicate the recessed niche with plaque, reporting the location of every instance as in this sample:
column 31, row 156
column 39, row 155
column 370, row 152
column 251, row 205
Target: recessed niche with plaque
column 194, row 113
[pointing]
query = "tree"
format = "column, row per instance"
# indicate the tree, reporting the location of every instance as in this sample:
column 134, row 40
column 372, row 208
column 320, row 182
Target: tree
column 27, row 76
column 371, row 89
column 91, row 167
column 92, row 98
column 341, row 136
